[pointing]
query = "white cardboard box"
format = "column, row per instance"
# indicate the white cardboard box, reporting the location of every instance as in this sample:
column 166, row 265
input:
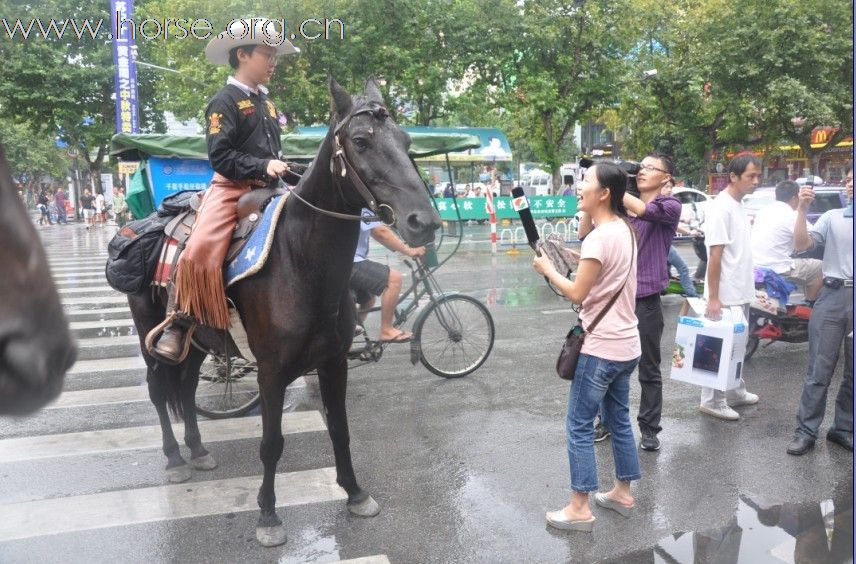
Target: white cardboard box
column 709, row 353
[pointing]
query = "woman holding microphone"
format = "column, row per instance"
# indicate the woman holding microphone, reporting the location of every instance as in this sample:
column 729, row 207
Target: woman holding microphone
column 609, row 353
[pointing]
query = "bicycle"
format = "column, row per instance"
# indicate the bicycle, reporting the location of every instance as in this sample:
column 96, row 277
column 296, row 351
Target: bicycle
column 453, row 335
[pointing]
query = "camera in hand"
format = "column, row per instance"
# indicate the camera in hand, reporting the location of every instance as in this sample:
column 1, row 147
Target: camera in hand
column 632, row 168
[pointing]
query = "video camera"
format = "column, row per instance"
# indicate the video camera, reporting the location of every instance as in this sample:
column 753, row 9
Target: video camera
column 632, row 168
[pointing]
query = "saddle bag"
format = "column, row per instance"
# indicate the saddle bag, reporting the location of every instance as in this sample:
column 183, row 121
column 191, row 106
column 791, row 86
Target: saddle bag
column 179, row 203
column 133, row 252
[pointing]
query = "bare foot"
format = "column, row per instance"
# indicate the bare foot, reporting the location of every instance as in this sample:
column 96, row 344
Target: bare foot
column 618, row 497
column 395, row 336
column 582, row 514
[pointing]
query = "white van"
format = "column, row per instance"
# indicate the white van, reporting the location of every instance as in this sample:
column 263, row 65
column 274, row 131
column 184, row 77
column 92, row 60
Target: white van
column 538, row 185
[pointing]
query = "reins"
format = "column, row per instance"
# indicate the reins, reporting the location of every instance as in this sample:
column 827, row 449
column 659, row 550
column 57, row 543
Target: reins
column 341, row 167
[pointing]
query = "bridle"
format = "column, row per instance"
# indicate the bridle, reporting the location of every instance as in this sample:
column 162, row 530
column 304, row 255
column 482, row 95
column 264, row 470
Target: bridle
column 341, row 168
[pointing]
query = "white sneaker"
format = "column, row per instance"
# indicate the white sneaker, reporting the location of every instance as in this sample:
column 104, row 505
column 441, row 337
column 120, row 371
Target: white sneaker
column 747, row 398
column 721, row 411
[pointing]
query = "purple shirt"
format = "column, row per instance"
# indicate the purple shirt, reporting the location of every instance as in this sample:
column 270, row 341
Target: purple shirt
column 59, row 198
column 655, row 230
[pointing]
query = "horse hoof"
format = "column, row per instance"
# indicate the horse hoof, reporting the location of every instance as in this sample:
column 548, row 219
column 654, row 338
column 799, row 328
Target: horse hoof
column 271, row 536
column 366, row 508
column 206, row 462
column 178, row 474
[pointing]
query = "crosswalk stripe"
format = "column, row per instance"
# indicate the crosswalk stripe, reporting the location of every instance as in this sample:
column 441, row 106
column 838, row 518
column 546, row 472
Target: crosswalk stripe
column 101, row 311
column 145, row 505
column 132, row 438
column 110, row 396
column 102, row 300
column 76, row 281
column 377, row 559
column 78, row 269
column 102, row 342
column 107, row 365
column 88, row 290
column 101, row 324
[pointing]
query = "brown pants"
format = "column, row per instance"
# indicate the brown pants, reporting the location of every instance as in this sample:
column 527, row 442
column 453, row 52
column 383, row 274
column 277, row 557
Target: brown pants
column 200, row 289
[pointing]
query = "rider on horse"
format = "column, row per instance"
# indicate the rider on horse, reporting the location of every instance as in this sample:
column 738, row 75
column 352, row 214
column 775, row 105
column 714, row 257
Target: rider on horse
column 243, row 135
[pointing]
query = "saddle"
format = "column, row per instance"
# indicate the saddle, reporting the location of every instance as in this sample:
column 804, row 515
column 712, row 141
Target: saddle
column 251, row 206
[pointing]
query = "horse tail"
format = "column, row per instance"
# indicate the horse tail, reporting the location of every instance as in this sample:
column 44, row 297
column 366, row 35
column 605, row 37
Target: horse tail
column 168, row 386
column 173, row 393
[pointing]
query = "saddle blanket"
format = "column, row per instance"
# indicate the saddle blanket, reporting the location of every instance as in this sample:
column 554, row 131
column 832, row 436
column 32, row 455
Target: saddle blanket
column 252, row 257
column 249, row 260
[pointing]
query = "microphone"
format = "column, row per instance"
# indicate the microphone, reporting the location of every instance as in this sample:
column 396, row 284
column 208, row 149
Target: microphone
column 521, row 206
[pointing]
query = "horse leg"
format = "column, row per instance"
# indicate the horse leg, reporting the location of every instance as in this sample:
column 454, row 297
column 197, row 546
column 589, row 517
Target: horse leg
column 200, row 458
column 177, row 469
column 333, row 381
column 269, row 530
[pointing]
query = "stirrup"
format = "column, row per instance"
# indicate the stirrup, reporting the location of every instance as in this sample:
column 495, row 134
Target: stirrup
column 187, row 322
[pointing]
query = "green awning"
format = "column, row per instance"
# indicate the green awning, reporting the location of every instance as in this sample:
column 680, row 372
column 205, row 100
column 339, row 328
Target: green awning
column 300, row 145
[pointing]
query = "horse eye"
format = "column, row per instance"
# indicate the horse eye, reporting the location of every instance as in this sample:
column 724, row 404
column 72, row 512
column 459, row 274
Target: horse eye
column 360, row 143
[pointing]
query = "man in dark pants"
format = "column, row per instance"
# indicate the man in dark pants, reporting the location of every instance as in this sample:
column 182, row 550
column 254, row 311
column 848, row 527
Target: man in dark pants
column 656, row 219
column 831, row 323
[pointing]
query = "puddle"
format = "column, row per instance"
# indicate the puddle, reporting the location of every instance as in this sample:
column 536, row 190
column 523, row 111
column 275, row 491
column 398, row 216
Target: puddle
column 764, row 533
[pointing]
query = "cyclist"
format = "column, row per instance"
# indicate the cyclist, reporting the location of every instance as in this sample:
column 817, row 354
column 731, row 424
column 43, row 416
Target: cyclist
column 370, row 279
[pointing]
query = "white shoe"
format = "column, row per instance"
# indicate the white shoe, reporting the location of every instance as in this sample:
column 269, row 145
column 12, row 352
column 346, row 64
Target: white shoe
column 747, row 398
column 719, row 411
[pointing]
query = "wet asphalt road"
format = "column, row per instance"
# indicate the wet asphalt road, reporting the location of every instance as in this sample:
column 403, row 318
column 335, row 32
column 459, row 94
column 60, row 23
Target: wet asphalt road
column 463, row 469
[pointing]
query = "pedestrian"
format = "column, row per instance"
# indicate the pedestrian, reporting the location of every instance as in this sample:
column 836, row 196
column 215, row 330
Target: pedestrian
column 87, row 208
column 730, row 281
column 610, row 353
column 655, row 217
column 675, row 260
column 831, row 324
column 120, row 208
column 773, row 236
column 42, row 205
column 99, row 208
column 243, row 130
column 60, row 201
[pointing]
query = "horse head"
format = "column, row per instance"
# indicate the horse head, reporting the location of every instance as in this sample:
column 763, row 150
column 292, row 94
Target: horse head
column 371, row 160
column 36, row 347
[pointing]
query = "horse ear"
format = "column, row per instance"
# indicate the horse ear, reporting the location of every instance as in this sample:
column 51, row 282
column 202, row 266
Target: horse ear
column 372, row 91
column 340, row 102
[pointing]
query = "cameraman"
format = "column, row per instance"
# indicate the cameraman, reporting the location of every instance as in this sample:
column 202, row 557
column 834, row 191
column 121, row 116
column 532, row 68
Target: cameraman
column 656, row 219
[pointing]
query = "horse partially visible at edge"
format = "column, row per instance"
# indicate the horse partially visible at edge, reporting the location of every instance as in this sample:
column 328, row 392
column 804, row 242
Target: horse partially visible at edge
column 298, row 311
column 36, row 348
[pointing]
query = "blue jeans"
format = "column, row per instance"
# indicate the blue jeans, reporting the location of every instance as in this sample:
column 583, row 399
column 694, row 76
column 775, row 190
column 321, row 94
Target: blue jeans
column 675, row 260
column 600, row 382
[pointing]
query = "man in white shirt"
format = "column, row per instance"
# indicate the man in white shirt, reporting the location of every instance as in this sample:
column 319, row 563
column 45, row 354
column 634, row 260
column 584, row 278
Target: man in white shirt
column 370, row 278
column 730, row 281
column 773, row 239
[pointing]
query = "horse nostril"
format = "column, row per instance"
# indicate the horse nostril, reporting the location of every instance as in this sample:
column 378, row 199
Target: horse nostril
column 414, row 222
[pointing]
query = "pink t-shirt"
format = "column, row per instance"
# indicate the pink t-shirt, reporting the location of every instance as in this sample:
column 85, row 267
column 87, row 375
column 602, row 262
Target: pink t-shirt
column 616, row 336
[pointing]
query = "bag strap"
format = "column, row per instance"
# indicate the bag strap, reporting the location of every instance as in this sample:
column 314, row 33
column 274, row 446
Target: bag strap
column 612, row 301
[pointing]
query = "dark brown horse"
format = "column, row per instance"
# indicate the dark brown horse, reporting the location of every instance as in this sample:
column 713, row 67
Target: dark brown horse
column 36, row 348
column 298, row 311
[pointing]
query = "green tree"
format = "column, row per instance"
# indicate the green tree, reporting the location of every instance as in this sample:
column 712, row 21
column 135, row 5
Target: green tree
column 554, row 65
column 31, row 155
column 65, row 84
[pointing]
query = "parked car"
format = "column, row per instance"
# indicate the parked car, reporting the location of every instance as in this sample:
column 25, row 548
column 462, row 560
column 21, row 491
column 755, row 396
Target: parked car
column 693, row 203
column 825, row 198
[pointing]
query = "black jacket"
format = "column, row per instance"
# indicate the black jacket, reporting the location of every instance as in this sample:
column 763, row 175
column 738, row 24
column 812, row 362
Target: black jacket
column 242, row 133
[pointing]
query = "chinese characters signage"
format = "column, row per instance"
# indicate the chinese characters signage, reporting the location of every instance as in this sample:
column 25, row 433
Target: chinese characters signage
column 125, row 74
column 475, row 208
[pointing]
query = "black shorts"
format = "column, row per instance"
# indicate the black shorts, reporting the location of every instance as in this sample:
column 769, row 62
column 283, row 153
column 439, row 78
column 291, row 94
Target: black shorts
column 369, row 278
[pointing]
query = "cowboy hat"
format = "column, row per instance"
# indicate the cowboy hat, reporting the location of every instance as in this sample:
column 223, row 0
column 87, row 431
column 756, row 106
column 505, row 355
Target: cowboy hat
column 249, row 31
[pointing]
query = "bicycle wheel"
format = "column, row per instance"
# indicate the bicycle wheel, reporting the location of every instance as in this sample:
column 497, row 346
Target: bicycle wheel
column 222, row 394
column 456, row 335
